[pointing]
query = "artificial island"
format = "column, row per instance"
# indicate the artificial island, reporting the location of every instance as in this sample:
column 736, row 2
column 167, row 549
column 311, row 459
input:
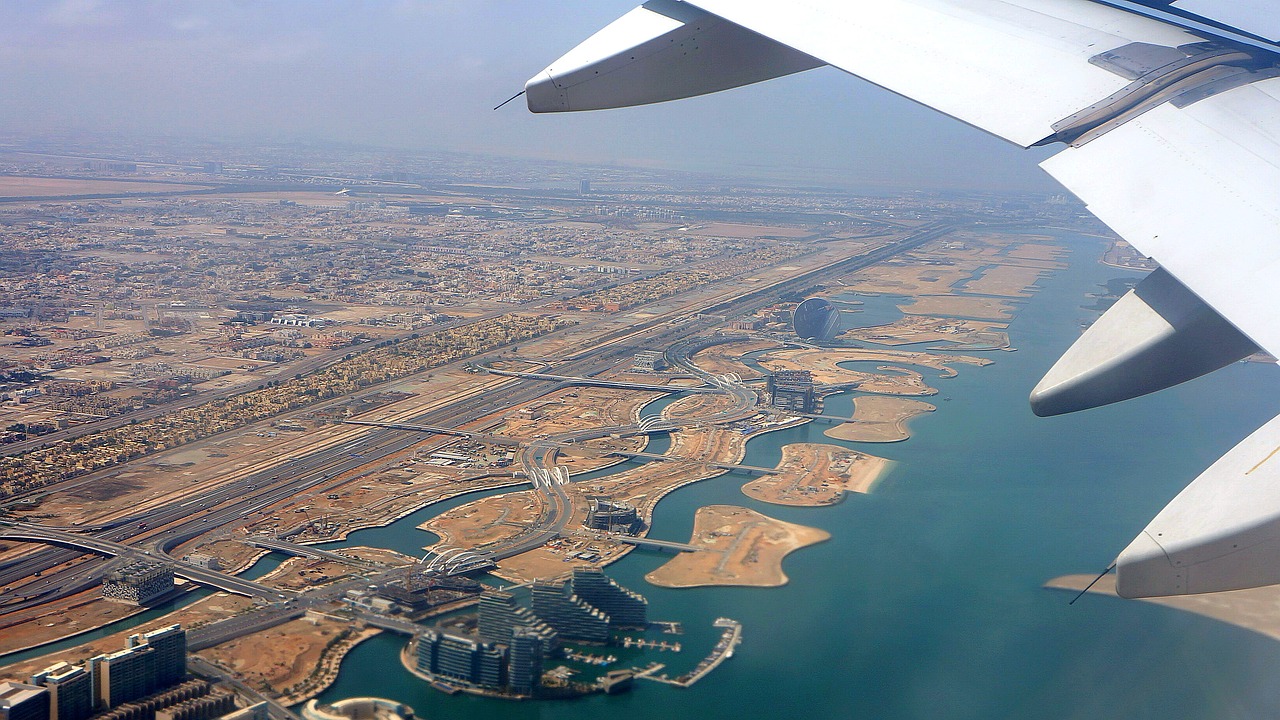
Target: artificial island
column 219, row 380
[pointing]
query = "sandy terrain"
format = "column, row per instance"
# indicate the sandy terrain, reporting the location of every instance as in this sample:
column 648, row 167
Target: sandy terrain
column 1005, row 280
column 960, row 306
column 42, row 187
column 1253, row 609
column 966, row 334
column 880, row 419
column 816, row 474
column 909, row 277
column 743, row 547
column 722, row 359
column 1038, row 251
column 280, row 657
column 736, row 230
column 215, row 607
column 824, row 364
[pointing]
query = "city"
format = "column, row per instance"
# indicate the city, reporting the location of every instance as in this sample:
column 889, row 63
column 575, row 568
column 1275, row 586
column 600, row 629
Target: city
column 209, row 364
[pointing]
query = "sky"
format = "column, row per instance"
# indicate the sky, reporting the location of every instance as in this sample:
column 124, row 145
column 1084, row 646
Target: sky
column 425, row 75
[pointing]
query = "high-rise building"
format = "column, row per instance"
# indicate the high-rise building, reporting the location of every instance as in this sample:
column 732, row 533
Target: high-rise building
column 572, row 617
column 792, row 390
column 170, row 644
column 624, row 607
column 612, row 516
column 20, row 701
column 70, row 691
column 499, row 615
column 815, row 319
column 149, row 663
column 461, row 658
column 524, row 665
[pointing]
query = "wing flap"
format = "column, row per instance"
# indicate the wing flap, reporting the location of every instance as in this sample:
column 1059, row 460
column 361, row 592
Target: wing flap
column 1198, row 189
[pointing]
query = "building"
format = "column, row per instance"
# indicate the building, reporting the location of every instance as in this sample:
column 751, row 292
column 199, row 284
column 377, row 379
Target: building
column 150, row 662
column 612, row 516
column 584, row 187
column 648, row 361
column 792, row 390
column 20, row 701
column 524, row 665
column 462, row 659
column 815, row 319
column 572, row 617
column 500, row 616
column 137, row 583
column 70, row 691
column 624, row 607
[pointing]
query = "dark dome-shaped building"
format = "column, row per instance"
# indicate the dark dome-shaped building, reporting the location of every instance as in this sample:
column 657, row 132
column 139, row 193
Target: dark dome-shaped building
column 815, row 319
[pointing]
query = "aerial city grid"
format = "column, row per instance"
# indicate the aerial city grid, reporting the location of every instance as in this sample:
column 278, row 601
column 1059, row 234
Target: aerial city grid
column 223, row 375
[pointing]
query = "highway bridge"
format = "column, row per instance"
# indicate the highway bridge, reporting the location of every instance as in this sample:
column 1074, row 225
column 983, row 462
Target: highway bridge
column 204, row 576
column 288, row 548
column 596, row 382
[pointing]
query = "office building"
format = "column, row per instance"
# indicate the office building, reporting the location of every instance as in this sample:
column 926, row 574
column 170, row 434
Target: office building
column 612, row 516
column 500, row 615
column 815, row 319
column 648, row 361
column 70, row 691
column 570, row 616
column 137, row 583
column 792, row 390
column 524, row 666
column 623, row 607
column 20, row 701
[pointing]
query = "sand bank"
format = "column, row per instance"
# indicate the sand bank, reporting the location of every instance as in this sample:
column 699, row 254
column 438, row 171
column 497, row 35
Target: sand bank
column 742, row 547
column 880, row 419
column 815, row 474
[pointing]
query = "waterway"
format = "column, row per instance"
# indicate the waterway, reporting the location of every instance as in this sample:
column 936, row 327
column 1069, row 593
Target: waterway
column 927, row 601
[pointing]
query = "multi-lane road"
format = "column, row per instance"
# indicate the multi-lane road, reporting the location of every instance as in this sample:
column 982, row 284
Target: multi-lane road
column 163, row 528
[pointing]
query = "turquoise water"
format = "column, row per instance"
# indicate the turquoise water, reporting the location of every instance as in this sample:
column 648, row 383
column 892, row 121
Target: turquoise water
column 927, row 601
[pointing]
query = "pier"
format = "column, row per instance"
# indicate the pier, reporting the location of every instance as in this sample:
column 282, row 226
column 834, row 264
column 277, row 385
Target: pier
column 729, row 639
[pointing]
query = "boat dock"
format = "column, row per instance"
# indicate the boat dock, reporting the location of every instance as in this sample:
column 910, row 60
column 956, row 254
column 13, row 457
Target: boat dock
column 729, row 639
column 662, row 645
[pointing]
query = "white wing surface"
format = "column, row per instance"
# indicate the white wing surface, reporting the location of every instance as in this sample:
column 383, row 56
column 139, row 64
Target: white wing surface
column 1170, row 132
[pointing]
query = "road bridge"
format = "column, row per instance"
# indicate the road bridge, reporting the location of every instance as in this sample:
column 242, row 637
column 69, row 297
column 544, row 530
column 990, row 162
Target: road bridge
column 667, row 545
column 288, row 548
column 596, row 382
column 194, row 573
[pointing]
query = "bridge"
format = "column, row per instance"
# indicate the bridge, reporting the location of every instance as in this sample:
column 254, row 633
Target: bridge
column 288, row 548
column 667, row 545
column 756, row 469
column 194, row 573
column 595, row 382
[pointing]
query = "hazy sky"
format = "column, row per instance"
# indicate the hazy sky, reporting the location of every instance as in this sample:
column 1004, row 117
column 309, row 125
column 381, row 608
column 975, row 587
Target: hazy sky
column 403, row 73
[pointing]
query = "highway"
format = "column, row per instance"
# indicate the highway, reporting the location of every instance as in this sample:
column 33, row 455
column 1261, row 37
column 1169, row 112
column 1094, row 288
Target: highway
column 164, row 528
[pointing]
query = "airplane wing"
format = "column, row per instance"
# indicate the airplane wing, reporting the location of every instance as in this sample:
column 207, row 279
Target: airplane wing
column 1168, row 115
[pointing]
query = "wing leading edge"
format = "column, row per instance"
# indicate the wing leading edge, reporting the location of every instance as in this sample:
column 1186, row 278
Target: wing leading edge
column 1167, row 131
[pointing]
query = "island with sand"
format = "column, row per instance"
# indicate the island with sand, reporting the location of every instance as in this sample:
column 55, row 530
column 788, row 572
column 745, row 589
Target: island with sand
column 813, row 474
column 880, row 419
column 739, row 547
